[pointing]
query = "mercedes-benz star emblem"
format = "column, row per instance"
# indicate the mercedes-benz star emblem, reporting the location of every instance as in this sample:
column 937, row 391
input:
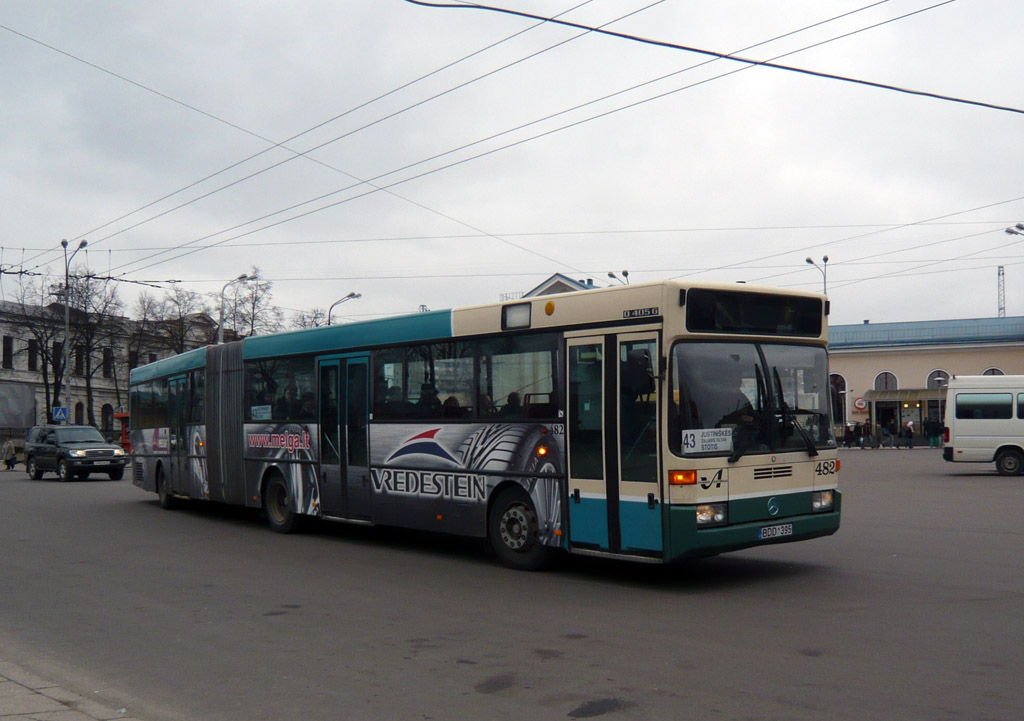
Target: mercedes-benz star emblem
column 773, row 506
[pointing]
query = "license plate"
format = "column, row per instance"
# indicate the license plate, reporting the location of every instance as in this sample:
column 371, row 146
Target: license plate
column 785, row 529
column 100, row 463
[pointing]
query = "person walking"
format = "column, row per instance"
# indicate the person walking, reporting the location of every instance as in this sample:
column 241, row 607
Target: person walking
column 10, row 455
column 878, row 435
column 908, row 432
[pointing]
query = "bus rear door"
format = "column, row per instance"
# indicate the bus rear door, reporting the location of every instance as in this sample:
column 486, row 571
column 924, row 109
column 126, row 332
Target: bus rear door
column 612, row 441
column 344, row 416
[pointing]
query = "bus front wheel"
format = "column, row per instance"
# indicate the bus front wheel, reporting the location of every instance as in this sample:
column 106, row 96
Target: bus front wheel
column 512, row 529
column 1010, row 463
column 277, row 504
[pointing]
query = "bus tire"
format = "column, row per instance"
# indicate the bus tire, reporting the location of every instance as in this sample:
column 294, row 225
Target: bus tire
column 64, row 471
column 512, row 530
column 32, row 468
column 1010, row 463
column 277, row 504
column 167, row 500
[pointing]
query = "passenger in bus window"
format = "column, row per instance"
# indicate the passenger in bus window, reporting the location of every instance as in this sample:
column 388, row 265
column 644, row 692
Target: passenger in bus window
column 513, row 407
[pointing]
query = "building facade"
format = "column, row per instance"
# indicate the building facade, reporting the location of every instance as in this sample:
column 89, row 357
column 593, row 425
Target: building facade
column 882, row 372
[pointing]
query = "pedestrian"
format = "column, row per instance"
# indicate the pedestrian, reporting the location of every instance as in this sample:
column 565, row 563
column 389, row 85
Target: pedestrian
column 858, row 437
column 893, row 437
column 934, row 433
column 908, row 432
column 866, row 438
column 878, row 435
column 847, row 435
column 10, row 455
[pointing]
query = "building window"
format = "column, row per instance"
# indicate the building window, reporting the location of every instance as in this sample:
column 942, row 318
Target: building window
column 133, row 359
column 152, row 357
column 992, row 372
column 937, row 379
column 107, row 416
column 8, row 351
column 33, row 355
column 108, row 362
column 79, row 360
column 79, row 414
column 885, row 381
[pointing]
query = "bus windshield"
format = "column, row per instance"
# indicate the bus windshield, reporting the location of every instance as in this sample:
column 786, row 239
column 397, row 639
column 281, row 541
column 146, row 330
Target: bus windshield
column 739, row 399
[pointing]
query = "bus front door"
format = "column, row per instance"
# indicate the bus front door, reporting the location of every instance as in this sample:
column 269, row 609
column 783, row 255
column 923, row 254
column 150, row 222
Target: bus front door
column 345, row 490
column 614, row 494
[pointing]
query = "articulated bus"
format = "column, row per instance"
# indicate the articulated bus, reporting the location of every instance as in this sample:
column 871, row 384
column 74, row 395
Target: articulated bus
column 651, row 422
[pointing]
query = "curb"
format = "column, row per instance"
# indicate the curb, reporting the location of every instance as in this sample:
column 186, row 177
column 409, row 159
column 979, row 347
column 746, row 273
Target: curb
column 27, row 697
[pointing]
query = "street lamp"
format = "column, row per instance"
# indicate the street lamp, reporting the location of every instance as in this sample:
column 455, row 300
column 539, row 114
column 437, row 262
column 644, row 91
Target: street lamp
column 350, row 296
column 625, row 277
column 220, row 327
column 824, row 271
column 67, row 310
column 1015, row 230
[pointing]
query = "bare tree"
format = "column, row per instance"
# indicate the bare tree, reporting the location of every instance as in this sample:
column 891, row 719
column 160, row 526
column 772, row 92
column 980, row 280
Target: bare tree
column 43, row 321
column 313, row 319
column 97, row 310
column 183, row 321
column 252, row 311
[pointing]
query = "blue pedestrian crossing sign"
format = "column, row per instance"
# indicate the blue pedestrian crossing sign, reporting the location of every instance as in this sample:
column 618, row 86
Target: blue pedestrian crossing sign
column 60, row 414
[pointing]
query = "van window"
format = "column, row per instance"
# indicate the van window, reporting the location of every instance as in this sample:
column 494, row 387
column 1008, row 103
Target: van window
column 1020, row 405
column 984, row 406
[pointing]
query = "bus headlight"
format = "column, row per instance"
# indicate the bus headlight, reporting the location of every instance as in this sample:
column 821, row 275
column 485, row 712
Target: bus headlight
column 712, row 514
column 821, row 501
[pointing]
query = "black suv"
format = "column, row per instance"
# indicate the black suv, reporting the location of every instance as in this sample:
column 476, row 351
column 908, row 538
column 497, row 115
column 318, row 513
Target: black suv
column 73, row 452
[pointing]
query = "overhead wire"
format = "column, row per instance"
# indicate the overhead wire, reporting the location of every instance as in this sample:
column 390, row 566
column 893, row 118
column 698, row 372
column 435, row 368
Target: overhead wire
column 491, row 151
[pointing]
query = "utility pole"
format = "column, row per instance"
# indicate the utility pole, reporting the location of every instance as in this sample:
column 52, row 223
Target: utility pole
column 1002, row 292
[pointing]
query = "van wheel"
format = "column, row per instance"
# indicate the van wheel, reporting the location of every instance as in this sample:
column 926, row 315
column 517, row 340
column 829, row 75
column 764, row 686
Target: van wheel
column 512, row 529
column 1010, row 463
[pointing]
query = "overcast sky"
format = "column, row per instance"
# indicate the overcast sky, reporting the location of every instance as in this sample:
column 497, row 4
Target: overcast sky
column 451, row 155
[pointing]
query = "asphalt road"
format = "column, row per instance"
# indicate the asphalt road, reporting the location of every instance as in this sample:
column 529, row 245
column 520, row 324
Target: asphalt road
column 914, row 610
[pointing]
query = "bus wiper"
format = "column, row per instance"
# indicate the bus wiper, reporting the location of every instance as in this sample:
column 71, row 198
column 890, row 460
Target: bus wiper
column 787, row 418
column 762, row 401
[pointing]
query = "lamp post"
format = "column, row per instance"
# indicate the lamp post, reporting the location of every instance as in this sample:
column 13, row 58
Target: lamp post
column 1015, row 230
column 350, row 296
column 220, row 327
column 824, row 271
column 67, row 310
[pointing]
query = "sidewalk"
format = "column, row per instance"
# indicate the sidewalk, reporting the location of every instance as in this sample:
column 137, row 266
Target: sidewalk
column 26, row 697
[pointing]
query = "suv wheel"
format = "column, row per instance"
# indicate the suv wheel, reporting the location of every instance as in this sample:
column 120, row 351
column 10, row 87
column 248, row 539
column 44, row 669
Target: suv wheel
column 32, row 468
column 64, row 471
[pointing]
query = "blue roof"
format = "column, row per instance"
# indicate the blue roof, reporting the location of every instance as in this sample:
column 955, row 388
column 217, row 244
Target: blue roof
column 927, row 332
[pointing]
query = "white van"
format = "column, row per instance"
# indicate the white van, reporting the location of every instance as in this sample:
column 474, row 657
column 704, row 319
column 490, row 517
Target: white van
column 985, row 421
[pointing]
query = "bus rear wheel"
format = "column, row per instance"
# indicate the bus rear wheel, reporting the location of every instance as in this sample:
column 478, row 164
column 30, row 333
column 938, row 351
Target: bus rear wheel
column 167, row 499
column 277, row 504
column 1010, row 463
column 513, row 532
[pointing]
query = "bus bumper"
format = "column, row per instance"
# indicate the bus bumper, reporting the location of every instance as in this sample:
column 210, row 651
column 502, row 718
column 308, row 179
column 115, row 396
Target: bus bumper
column 686, row 541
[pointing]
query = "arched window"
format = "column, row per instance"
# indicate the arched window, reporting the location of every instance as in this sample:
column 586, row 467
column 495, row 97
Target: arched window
column 79, row 414
column 838, row 386
column 885, row 381
column 107, row 418
column 992, row 372
column 937, row 379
